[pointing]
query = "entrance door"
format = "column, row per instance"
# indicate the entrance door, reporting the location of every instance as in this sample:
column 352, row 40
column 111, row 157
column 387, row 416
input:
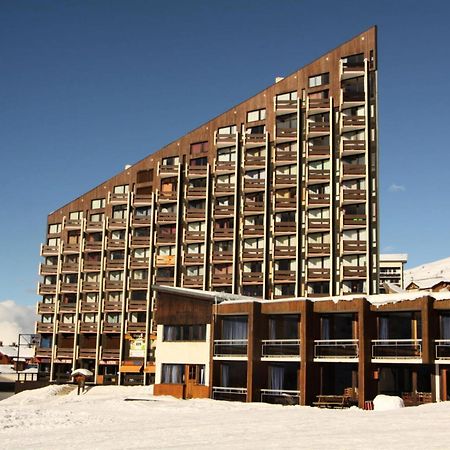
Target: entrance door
column 191, row 379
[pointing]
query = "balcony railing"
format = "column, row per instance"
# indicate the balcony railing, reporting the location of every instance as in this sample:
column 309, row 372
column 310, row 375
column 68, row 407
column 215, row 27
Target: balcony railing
column 355, row 271
column 319, row 224
column 319, row 249
column 114, row 285
column 279, row 348
column 253, row 230
column 142, row 221
column 117, row 223
column 225, row 166
column 285, row 251
column 73, row 224
column 337, row 348
column 223, row 210
column 89, row 306
column 354, row 195
column 223, row 233
column 114, row 244
column 142, row 200
column 285, row 227
column 194, row 258
column 280, row 397
column 140, row 241
column 253, row 253
column 282, row 155
column 318, row 199
column 68, row 307
column 194, row 235
column 230, row 347
column 197, row 171
column 47, row 269
column 355, row 220
column 138, row 283
column 137, row 305
column 286, row 105
column 319, row 273
column 224, row 188
column 195, row 192
column 66, row 327
column 64, row 353
column 87, row 353
column 319, row 103
column 319, row 151
column 136, row 327
column 167, row 217
column 285, row 180
column 111, row 327
column 49, row 250
column 255, row 161
column 355, row 246
column 110, row 353
column 115, row 264
column 44, row 327
column 319, row 127
column 45, row 308
column 255, row 140
column 354, row 169
column 285, row 203
column 92, row 246
column 254, row 184
column 88, row 327
column 397, row 349
column 166, row 238
column 168, row 170
column 69, row 267
column 442, row 348
column 139, row 262
column 88, row 286
column 286, row 133
column 223, row 278
column 318, row 175
column 193, row 280
column 285, row 275
column 43, row 352
column 251, row 206
column 71, row 248
column 252, row 277
column 222, row 255
column 94, row 226
column 47, row 288
column 229, row 393
column 195, row 213
column 353, row 121
column 225, row 140
column 113, row 305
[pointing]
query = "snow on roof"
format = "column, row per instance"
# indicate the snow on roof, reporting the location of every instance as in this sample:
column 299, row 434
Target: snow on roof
column 377, row 299
column 397, row 257
column 429, row 274
column 8, row 369
column 392, row 287
column 11, row 351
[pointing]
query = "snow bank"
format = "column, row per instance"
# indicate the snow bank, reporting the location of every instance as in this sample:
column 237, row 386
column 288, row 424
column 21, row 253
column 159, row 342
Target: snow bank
column 387, row 403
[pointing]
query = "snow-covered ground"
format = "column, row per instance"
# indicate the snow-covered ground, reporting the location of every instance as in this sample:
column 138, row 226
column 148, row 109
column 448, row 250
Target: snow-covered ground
column 52, row 418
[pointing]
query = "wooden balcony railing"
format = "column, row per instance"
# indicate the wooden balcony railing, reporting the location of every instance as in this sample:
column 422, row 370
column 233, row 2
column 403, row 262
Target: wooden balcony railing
column 89, row 306
column 94, row 226
column 64, row 353
column 165, row 260
column 168, row 170
column 92, row 246
column 318, row 249
column 193, row 280
column 169, row 196
column 45, row 308
column 195, row 213
column 354, row 169
column 353, row 121
column 318, row 175
column 255, row 139
column 93, row 266
column 225, row 166
column 322, row 151
column 47, row 289
column 252, row 277
column 194, row 235
column 255, row 161
column 44, row 327
column 254, row 183
column 68, row 307
column 137, row 305
column 223, row 210
column 142, row 200
column 138, row 284
column 166, row 238
column 195, row 192
column 141, row 221
column 319, row 273
column 286, row 105
column 89, row 286
column 354, row 195
column 253, row 253
column 224, row 188
column 43, row 352
column 253, row 230
column 111, row 306
column 114, row 285
column 197, row 171
column 222, row 278
column 118, row 198
column 88, row 327
column 116, row 264
column 194, row 258
column 355, row 219
column 71, row 248
column 285, row 251
column 87, row 353
column 355, row 271
column 282, row 155
column 284, row 275
column 166, row 217
column 252, row 206
column 114, row 244
column 318, row 199
column 111, row 327
column 319, row 103
column 117, row 223
column 47, row 269
column 140, row 241
column 285, row 227
column 355, row 246
column 73, row 224
column 287, row 133
column 225, row 139
column 319, row 127
column 66, row 327
column 285, row 203
column 223, row 233
column 69, row 267
column 319, row 224
column 136, row 263
column 226, row 255
column 49, row 250
column 136, row 327
column 285, row 180
column 110, row 353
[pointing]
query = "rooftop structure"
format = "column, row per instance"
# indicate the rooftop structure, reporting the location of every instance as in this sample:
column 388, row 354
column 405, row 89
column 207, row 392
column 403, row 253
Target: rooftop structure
column 391, row 267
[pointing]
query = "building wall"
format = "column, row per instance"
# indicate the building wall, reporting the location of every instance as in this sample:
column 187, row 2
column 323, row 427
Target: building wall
column 182, row 353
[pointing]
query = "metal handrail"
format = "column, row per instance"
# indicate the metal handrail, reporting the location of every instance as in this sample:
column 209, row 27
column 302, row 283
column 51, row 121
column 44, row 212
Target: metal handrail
column 231, row 343
column 397, row 343
column 345, row 343
column 279, row 343
column 442, row 343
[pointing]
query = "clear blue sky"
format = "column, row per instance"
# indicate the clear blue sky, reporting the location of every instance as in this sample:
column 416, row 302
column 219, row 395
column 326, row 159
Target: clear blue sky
column 89, row 86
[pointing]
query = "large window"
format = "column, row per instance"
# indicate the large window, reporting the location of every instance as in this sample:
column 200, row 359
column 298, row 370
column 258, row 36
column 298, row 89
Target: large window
column 98, row 203
column 318, row 80
column 54, row 228
column 172, row 374
column 173, row 333
column 259, row 114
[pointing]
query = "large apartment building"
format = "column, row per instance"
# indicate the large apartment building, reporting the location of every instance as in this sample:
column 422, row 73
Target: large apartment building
column 275, row 198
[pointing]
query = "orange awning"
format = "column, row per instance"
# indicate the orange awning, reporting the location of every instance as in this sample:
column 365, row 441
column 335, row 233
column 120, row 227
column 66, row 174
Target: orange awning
column 130, row 368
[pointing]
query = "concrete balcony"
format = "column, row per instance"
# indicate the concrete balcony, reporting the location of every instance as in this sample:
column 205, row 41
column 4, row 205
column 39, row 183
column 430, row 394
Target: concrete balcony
column 225, row 166
column 285, row 251
column 71, row 249
column 194, row 258
column 225, row 140
column 193, row 280
column 252, row 253
column 317, row 152
column 224, row 189
column 397, row 349
column 352, row 196
column 252, row 277
column 89, row 306
column 47, row 269
column 73, row 224
column 112, row 306
column 194, row 236
column 337, row 349
column 138, row 284
column 286, row 134
column 318, row 200
column 253, row 230
column 222, row 279
column 90, row 286
column 354, row 221
column 280, row 348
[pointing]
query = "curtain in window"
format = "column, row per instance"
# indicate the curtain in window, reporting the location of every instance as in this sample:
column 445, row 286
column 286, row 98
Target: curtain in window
column 172, row 373
column 234, row 328
column 325, row 331
column 276, row 378
column 225, row 375
column 384, row 328
column 445, row 324
column 272, row 329
column 170, row 332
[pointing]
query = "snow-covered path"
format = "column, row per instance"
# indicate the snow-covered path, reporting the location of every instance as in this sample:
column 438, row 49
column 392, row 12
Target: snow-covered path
column 102, row 418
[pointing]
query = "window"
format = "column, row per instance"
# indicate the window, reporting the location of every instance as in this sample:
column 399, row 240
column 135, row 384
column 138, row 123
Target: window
column 53, row 242
column 121, row 189
column 143, row 211
column 318, row 80
column 354, row 60
column 184, row 333
column 196, row 226
column 194, row 271
column 286, row 97
column 115, row 296
column 74, row 215
column 92, row 297
column 118, row 235
column 113, row 317
column 196, row 162
column 47, row 318
column 231, row 129
column 98, row 203
column 140, row 253
column 54, row 228
column 73, row 237
column 227, row 154
column 98, row 217
column 196, row 248
column 116, row 275
column 199, row 148
column 166, row 250
column 119, row 212
column 90, row 318
column 172, row 374
column 259, row 114
column 170, row 161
